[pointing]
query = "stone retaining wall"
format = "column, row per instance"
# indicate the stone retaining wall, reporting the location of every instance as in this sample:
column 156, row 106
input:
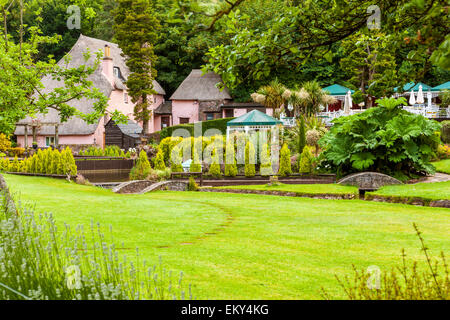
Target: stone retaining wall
column 132, row 186
column 285, row 193
column 415, row 201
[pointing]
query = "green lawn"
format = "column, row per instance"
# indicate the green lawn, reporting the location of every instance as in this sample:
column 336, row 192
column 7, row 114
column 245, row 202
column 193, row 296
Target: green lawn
column 302, row 188
column 264, row 247
column 433, row 191
column 442, row 166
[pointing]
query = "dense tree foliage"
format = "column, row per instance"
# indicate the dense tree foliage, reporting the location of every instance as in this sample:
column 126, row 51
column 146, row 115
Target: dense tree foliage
column 253, row 42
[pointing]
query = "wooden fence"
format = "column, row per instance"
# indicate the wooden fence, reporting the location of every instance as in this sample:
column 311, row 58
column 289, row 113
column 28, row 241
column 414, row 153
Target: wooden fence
column 103, row 163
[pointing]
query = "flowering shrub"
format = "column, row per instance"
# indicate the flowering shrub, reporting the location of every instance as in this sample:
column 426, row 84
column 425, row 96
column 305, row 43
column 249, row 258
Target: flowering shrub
column 443, row 152
column 5, row 143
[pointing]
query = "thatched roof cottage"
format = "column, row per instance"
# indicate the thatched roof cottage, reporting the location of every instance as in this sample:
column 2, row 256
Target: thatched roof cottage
column 198, row 98
column 109, row 79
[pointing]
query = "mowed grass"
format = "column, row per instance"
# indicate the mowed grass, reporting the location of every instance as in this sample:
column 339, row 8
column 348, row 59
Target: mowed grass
column 301, row 188
column 442, row 166
column 264, row 247
column 433, row 191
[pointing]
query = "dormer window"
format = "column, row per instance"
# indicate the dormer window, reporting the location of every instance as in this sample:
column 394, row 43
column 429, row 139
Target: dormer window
column 125, row 97
column 117, row 72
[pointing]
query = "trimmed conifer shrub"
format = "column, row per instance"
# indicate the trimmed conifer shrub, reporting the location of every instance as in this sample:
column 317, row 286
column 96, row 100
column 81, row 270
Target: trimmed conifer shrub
column 214, row 168
column 142, row 168
column 195, row 166
column 266, row 163
column 176, row 160
column 230, row 161
column 250, row 160
column 306, row 161
column 159, row 161
column 285, row 161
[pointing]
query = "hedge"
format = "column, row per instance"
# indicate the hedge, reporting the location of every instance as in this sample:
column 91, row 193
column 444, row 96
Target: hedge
column 220, row 124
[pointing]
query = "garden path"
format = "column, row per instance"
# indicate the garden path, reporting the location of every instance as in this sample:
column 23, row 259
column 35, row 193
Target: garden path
column 438, row 177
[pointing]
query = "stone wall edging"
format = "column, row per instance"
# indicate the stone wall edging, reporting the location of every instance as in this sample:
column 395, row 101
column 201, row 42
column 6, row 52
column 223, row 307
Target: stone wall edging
column 330, row 196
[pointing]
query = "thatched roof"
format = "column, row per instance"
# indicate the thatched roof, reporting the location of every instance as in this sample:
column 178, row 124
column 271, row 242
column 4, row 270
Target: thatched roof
column 76, row 126
column 164, row 108
column 201, row 87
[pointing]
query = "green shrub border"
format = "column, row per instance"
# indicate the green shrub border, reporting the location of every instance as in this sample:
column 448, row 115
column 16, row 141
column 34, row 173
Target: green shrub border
column 220, row 124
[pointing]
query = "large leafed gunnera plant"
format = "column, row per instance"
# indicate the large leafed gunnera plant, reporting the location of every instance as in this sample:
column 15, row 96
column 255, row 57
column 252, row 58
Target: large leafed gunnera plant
column 384, row 139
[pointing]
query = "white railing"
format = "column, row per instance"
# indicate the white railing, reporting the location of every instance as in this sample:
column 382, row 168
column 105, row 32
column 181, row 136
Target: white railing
column 288, row 122
column 428, row 112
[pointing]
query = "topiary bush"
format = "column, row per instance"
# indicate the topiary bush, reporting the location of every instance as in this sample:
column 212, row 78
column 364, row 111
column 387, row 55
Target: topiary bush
column 214, row 168
column 384, row 139
column 176, row 160
column 196, row 165
column 266, row 163
column 159, row 161
column 250, row 160
column 285, row 161
column 230, row 161
column 142, row 168
column 306, row 161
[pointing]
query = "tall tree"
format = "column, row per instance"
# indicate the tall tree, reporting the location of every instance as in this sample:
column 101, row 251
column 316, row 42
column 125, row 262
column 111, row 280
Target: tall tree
column 369, row 61
column 136, row 31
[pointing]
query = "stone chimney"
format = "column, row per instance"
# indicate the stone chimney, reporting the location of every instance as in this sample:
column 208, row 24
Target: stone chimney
column 108, row 66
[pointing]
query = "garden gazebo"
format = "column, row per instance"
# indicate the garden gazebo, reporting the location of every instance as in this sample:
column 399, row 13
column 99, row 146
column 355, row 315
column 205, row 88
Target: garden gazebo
column 254, row 120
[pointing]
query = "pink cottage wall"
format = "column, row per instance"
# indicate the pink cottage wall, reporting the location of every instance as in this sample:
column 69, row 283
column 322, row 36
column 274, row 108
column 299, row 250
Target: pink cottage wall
column 63, row 140
column 184, row 109
column 155, row 121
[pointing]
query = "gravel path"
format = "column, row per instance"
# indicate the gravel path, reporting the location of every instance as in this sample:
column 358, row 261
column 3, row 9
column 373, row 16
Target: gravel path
column 438, row 177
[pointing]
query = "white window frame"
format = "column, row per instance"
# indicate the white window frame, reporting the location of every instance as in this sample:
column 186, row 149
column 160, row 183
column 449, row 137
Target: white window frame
column 50, row 140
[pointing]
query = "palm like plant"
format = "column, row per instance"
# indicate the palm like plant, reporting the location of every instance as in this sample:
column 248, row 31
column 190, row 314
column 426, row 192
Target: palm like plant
column 272, row 96
column 314, row 97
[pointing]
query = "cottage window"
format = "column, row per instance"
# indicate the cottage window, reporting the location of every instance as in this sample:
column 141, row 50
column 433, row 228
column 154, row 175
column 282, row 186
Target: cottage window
column 184, row 120
column 117, row 73
column 229, row 113
column 209, row 116
column 125, row 97
column 49, row 141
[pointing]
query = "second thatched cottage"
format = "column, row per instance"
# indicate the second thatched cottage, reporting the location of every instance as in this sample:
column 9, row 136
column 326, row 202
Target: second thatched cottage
column 109, row 78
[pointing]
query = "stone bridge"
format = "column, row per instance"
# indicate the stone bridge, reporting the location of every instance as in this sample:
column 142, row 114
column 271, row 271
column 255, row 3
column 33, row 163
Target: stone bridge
column 368, row 180
column 145, row 186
